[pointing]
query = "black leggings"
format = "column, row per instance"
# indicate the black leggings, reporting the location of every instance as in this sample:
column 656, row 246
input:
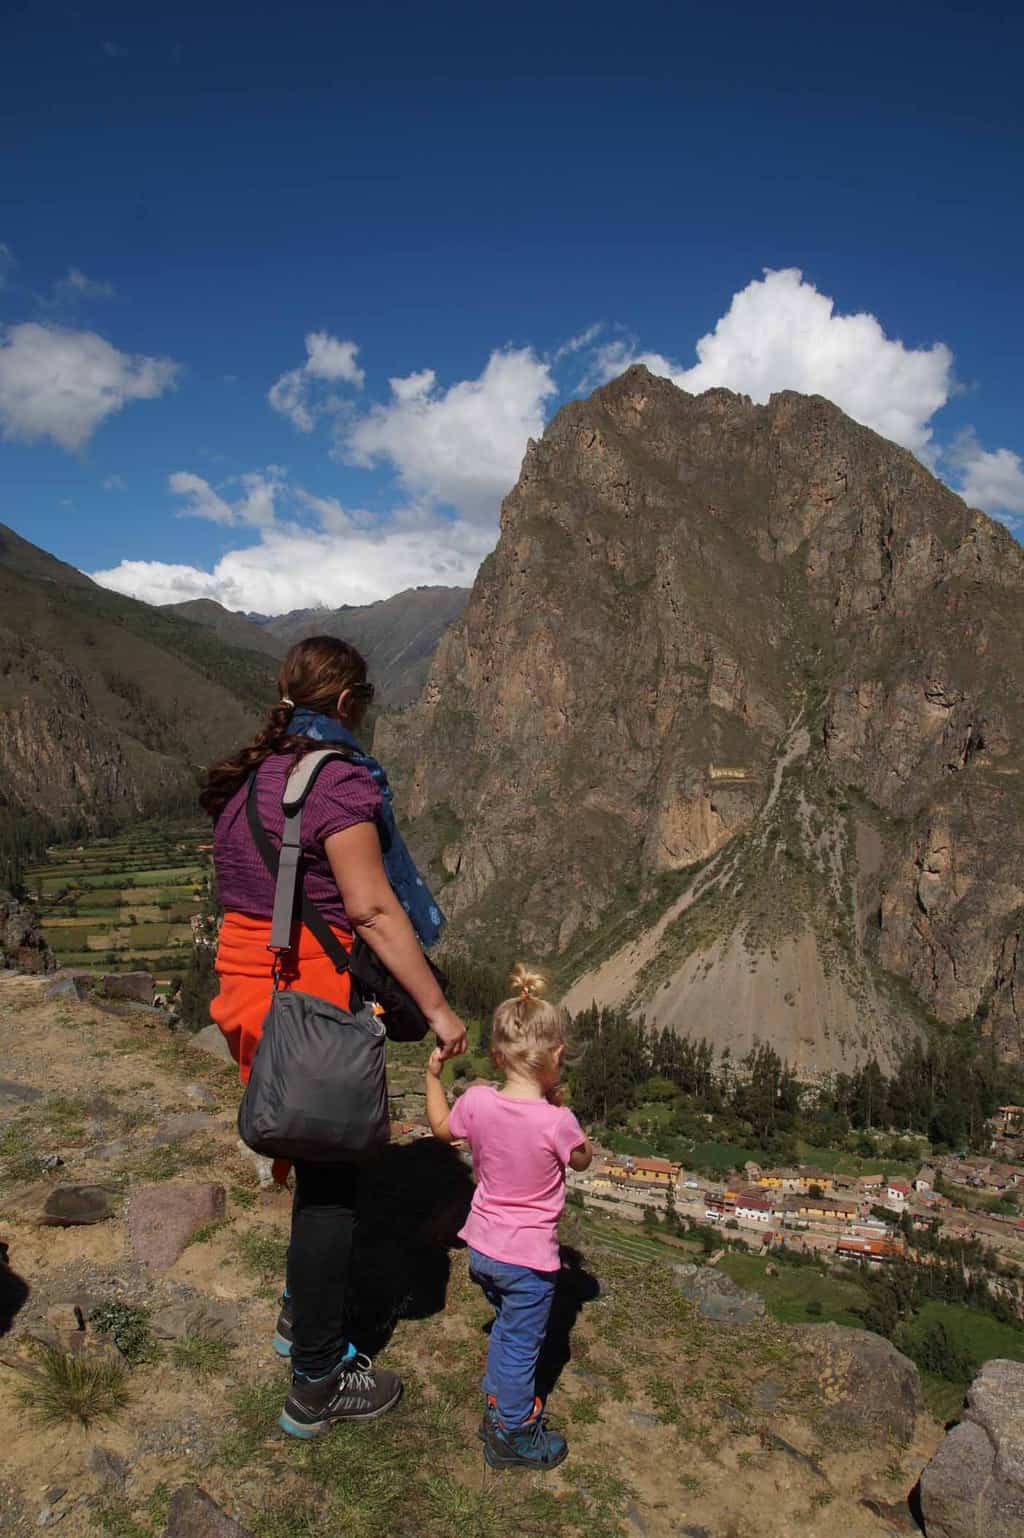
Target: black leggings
column 323, row 1223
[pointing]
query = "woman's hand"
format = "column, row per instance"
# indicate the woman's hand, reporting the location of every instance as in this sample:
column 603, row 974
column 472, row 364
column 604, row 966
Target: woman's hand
column 450, row 1033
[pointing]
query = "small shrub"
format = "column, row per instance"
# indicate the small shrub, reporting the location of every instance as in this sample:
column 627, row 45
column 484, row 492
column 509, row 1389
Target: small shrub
column 78, row 1389
column 128, row 1328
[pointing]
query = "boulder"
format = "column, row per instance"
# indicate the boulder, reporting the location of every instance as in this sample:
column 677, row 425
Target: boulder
column 974, row 1486
column 192, row 1514
column 177, row 1128
column 717, row 1296
column 211, row 1039
column 75, row 1206
column 21, row 939
column 193, row 1315
column 135, row 987
column 163, row 1218
column 13, row 1093
column 71, row 986
column 866, row 1384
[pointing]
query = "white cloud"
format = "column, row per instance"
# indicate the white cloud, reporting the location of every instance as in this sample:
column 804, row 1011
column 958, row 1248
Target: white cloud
column 294, row 568
column 113, row 483
column 780, row 333
column 992, row 479
column 58, row 383
column 77, row 285
column 327, row 358
column 256, row 507
column 464, row 445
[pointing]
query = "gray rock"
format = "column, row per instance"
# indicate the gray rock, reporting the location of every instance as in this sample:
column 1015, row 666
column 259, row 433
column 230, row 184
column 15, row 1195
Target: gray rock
column 177, row 1128
column 201, row 1096
column 135, row 987
column 974, row 1486
column 75, row 987
column 207, row 1317
column 75, row 1206
column 109, row 1467
column 18, row 1094
column 211, row 1039
column 641, row 1418
column 162, row 1219
column 193, row 1514
column 864, row 1382
column 263, row 1167
column 635, row 1520
column 717, row 1296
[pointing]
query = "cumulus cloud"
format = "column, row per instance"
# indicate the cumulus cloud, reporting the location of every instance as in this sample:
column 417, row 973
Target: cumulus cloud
column 462, row 446
column 293, row 567
column 256, row 506
column 992, row 479
column 327, row 359
column 60, row 384
column 780, row 333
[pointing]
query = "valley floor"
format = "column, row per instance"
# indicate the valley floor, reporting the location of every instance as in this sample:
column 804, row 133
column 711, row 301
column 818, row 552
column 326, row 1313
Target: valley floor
column 677, row 1426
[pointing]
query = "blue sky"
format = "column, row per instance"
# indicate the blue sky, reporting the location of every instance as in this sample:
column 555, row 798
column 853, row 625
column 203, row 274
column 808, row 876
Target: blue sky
column 226, row 230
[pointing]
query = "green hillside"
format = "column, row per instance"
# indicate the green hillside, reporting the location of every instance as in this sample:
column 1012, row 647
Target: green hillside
column 109, row 707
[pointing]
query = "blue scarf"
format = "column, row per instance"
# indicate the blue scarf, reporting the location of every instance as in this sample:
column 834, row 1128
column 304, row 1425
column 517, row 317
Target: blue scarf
column 406, row 882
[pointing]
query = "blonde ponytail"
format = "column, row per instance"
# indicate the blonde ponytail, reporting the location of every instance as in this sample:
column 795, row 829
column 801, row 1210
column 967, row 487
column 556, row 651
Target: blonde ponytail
column 527, row 1029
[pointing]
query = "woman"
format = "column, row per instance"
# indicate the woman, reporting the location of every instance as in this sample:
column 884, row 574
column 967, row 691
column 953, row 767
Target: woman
column 358, row 872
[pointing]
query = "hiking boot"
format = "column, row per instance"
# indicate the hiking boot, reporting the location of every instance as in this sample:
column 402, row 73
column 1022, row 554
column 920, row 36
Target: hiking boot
column 490, row 1421
column 531, row 1446
column 354, row 1391
column 282, row 1341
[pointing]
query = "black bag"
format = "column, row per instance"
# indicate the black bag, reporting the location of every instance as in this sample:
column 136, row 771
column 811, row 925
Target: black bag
column 317, row 1088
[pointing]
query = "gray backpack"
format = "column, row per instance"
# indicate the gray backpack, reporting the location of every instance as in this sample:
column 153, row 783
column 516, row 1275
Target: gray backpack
column 317, row 1090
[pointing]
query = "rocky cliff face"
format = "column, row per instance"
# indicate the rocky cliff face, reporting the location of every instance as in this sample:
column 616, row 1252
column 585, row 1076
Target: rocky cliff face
column 760, row 637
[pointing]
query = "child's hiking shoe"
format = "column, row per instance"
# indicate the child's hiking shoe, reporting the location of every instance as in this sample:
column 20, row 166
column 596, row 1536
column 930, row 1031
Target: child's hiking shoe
column 354, row 1391
column 282, row 1341
column 532, row 1446
column 490, row 1421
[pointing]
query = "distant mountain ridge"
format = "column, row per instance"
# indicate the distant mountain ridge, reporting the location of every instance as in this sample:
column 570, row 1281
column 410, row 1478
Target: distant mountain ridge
column 732, row 730
column 108, row 707
column 397, row 635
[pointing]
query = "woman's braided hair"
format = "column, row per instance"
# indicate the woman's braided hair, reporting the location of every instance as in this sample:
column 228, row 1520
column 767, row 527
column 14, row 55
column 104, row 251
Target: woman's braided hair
column 314, row 674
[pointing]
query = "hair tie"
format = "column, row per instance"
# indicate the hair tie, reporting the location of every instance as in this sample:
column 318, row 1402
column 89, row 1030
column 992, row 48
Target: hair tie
column 286, row 701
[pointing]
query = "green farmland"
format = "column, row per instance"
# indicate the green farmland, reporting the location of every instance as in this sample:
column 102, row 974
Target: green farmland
column 124, row 902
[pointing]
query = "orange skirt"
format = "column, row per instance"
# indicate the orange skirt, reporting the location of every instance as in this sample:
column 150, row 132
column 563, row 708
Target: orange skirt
column 245, row 968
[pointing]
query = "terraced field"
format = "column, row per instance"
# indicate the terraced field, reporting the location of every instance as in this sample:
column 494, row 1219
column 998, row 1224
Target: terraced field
column 125, row 901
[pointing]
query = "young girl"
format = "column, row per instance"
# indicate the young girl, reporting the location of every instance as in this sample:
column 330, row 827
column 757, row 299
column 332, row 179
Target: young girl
column 521, row 1137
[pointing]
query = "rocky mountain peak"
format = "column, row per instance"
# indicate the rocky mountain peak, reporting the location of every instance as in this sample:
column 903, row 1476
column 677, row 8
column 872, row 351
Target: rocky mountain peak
column 755, row 635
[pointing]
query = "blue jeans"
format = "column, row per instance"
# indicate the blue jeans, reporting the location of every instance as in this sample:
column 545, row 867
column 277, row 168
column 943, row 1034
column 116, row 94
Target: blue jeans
column 521, row 1299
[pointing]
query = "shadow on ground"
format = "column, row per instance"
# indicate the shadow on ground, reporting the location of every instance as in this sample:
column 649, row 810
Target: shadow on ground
column 13, row 1292
column 412, row 1203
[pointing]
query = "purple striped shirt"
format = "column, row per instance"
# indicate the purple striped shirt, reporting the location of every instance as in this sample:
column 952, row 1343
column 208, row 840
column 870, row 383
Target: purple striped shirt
column 343, row 795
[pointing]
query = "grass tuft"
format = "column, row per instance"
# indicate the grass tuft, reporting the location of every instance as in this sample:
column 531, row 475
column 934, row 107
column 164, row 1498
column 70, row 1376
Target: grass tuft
column 204, row 1356
column 75, row 1389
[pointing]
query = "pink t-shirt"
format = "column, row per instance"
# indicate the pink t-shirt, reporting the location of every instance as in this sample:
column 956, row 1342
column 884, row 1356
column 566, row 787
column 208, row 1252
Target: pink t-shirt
column 520, row 1150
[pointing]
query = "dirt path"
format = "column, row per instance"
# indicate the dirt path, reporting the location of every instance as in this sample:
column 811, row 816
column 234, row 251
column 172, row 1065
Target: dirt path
column 671, row 1419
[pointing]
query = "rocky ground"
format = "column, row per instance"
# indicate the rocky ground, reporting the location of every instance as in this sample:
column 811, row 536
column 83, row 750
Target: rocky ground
column 678, row 1425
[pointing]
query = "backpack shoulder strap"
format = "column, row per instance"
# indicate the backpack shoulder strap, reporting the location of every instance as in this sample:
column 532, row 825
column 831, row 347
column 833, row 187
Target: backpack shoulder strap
column 284, row 866
column 304, row 776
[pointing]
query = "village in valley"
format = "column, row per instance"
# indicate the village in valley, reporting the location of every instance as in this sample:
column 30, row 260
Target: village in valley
column 855, row 1218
